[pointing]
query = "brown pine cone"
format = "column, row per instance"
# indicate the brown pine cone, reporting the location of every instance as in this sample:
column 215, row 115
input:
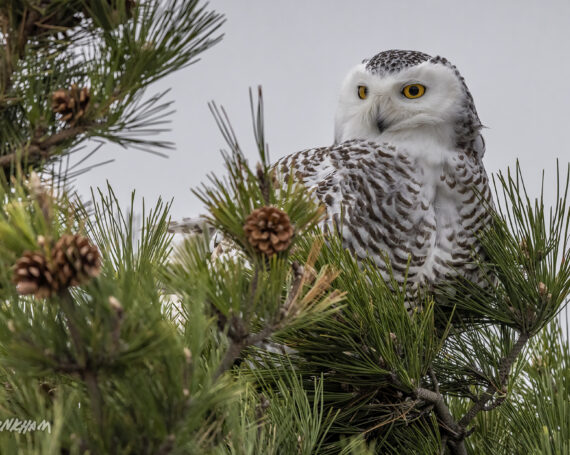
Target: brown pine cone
column 32, row 275
column 71, row 104
column 268, row 230
column 75, row 260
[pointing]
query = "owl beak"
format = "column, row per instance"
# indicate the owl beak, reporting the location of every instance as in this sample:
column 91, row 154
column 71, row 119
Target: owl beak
column 381, row 124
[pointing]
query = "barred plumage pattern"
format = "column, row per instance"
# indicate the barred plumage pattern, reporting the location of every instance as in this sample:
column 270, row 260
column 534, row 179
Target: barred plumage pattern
column 384, row 199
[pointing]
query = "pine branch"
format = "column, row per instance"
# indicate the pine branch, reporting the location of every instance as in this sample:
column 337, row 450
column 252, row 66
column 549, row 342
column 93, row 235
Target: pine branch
column 113, row 49
column 456, row 432
column 240, row 341
column 88, row 374
column 453, row 433
column 237, row 346
column 16, row 41
column 95, row 397
column 39, row 151
column 504, row 370
column 68, row 307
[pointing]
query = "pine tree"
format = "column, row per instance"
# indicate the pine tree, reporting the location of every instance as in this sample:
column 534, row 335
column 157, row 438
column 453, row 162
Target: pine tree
column 114, row 341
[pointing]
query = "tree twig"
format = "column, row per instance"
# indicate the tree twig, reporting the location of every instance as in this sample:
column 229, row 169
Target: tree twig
column 236, row 347
column 95, row 397
column 68, row 307
column 434, row 380
column 442, row 411
column 298, row 280
column 456, row 431
column 504, row 370
column 87, row 374
column 39, row 150
column 443, row 444
column 240, row 340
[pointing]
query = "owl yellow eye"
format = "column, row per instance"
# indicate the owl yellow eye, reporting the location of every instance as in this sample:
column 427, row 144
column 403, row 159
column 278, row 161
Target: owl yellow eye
column 413, row 91
column 362, row 92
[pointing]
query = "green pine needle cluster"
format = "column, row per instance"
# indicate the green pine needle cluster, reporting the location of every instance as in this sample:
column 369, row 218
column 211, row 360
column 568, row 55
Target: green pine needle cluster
column 113, row 48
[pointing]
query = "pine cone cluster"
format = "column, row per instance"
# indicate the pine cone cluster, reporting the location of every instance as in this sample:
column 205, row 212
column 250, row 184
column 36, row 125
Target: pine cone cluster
column 74, row 260
column 70, row 104
column 268, row 230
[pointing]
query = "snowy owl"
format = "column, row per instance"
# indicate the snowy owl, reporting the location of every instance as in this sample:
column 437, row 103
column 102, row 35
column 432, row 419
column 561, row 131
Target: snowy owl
column 404, row 177
column 405, row 171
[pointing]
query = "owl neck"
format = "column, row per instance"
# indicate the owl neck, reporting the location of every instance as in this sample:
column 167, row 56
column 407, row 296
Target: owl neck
column 425, row 142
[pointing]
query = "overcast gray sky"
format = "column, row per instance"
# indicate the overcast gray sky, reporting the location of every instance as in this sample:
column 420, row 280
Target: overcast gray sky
column 514, row 55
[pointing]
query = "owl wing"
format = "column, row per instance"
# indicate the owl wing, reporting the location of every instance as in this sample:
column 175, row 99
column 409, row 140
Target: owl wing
column 388, row 206
column 373, row 193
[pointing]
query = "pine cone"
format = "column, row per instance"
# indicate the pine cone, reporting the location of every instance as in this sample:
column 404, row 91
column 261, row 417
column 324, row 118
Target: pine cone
column 32, row 275
column 75, row 260
column 71, row 104
column 268, row 230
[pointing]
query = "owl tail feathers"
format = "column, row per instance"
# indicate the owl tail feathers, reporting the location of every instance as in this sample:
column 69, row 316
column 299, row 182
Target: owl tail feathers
column 220, row 247
column 191, row 226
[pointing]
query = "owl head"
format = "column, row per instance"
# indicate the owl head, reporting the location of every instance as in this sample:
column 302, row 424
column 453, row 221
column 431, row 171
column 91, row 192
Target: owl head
column 403, row 94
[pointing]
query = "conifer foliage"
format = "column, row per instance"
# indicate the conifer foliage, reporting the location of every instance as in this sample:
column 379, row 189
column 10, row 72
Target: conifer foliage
column 276, row 340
